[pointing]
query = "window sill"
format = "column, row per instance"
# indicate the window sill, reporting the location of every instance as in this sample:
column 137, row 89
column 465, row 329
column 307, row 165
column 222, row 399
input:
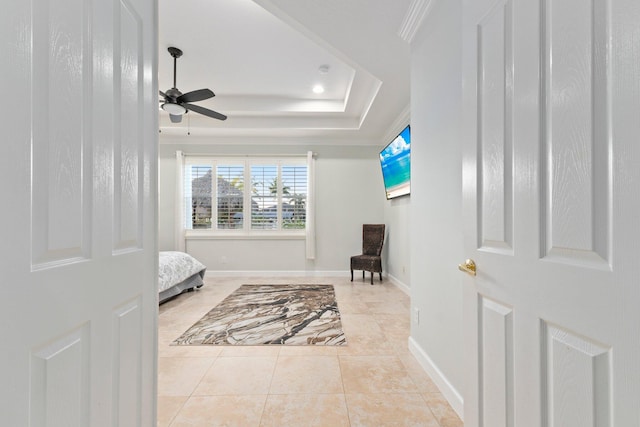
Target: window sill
column 238, row 236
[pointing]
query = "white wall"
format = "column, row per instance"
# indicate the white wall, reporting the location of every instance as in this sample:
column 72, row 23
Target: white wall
column 435, row 211
column 397, row 250
column 166, row 199
column 349, row 192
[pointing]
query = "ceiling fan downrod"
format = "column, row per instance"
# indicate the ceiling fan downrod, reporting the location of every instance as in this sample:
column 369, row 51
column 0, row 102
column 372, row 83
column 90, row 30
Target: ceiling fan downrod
column 176, row 53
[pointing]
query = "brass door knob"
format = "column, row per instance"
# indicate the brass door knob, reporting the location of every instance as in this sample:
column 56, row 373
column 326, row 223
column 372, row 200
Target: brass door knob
column 468, row 267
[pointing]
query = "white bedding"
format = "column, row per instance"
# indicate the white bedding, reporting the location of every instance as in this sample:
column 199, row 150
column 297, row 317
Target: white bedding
column 176, row 267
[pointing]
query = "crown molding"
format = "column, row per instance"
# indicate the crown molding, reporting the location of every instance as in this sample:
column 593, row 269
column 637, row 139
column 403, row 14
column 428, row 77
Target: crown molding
column 403, row 119
column 418, row 11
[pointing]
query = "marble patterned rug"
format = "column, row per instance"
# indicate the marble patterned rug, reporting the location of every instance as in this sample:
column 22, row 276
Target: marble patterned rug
column 271, row 314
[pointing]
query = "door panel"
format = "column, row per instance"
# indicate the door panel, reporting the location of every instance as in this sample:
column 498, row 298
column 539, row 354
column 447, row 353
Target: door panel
column 496, row 343
column 576, row 138
column 127, row 373
column 60, row 381
column 61, row 190
column 577, row 380
column 549, row 193
column 79, row 177
column 495, row 90
column 128, row 129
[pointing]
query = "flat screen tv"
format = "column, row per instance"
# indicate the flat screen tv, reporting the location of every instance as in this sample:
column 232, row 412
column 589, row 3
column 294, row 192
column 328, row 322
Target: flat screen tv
column 395, row 160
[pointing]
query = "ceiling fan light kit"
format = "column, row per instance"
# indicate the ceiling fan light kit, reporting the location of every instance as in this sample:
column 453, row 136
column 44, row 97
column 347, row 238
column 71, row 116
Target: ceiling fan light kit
column 175, row 109
column 177, row 104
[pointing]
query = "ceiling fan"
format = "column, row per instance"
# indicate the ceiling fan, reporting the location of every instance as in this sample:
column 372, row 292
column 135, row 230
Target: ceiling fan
column 177, row 103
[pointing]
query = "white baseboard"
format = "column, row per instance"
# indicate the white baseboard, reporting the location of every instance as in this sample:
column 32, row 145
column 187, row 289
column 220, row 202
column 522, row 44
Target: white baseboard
column 448, row 391
column 290, row 273
column 274, row 273
column 402, row 286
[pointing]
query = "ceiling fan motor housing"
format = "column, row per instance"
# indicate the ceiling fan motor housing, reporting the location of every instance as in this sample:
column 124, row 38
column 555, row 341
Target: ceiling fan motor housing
column 173, row 93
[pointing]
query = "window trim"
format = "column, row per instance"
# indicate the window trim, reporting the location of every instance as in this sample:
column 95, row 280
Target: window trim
column 246, row 232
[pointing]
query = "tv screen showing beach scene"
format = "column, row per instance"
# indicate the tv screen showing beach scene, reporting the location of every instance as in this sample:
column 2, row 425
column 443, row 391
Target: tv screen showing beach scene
column 395, row 160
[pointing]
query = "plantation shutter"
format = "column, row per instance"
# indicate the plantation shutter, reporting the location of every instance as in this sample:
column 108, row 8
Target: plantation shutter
column 294, row 195
column 236, row 196
column 264, row 197
column 198, row 196
column 230, row 196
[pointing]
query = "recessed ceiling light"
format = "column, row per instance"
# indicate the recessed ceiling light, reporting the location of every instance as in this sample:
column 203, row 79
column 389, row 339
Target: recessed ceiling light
column 318, row 89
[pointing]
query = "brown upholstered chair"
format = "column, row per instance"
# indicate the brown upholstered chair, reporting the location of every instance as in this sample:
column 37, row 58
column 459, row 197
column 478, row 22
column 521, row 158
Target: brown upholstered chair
column 370, row 259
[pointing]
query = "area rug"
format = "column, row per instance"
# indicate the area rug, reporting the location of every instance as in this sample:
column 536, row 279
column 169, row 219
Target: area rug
column 271, row 314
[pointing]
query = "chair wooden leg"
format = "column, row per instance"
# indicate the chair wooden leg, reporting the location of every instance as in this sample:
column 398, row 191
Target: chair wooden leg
column 352, row 274
column 372, row 277
column 380, row 273
column 363, row 274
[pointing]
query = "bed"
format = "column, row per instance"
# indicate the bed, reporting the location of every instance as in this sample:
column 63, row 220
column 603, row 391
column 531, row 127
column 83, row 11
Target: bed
column 178, row 272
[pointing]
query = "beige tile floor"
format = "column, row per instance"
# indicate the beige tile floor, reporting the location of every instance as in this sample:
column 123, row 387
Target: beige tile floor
column 373, row 381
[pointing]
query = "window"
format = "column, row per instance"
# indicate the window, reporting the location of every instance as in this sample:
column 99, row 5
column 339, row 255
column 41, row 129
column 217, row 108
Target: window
column 264, row 198
column 294, row 190
column 199, row 191
column 248, row 196
column 230, row 196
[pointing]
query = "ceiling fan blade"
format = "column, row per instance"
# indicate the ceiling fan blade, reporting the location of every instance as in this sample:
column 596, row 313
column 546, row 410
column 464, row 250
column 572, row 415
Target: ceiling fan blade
column 204, row 111
column 164, row 95
column 195, row 96
column 175, row 118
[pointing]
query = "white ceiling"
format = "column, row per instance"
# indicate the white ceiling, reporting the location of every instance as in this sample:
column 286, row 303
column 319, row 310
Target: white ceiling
column 263, row 57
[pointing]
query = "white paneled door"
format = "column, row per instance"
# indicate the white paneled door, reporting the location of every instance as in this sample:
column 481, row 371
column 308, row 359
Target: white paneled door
column 78, row 301
column 551, row 170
